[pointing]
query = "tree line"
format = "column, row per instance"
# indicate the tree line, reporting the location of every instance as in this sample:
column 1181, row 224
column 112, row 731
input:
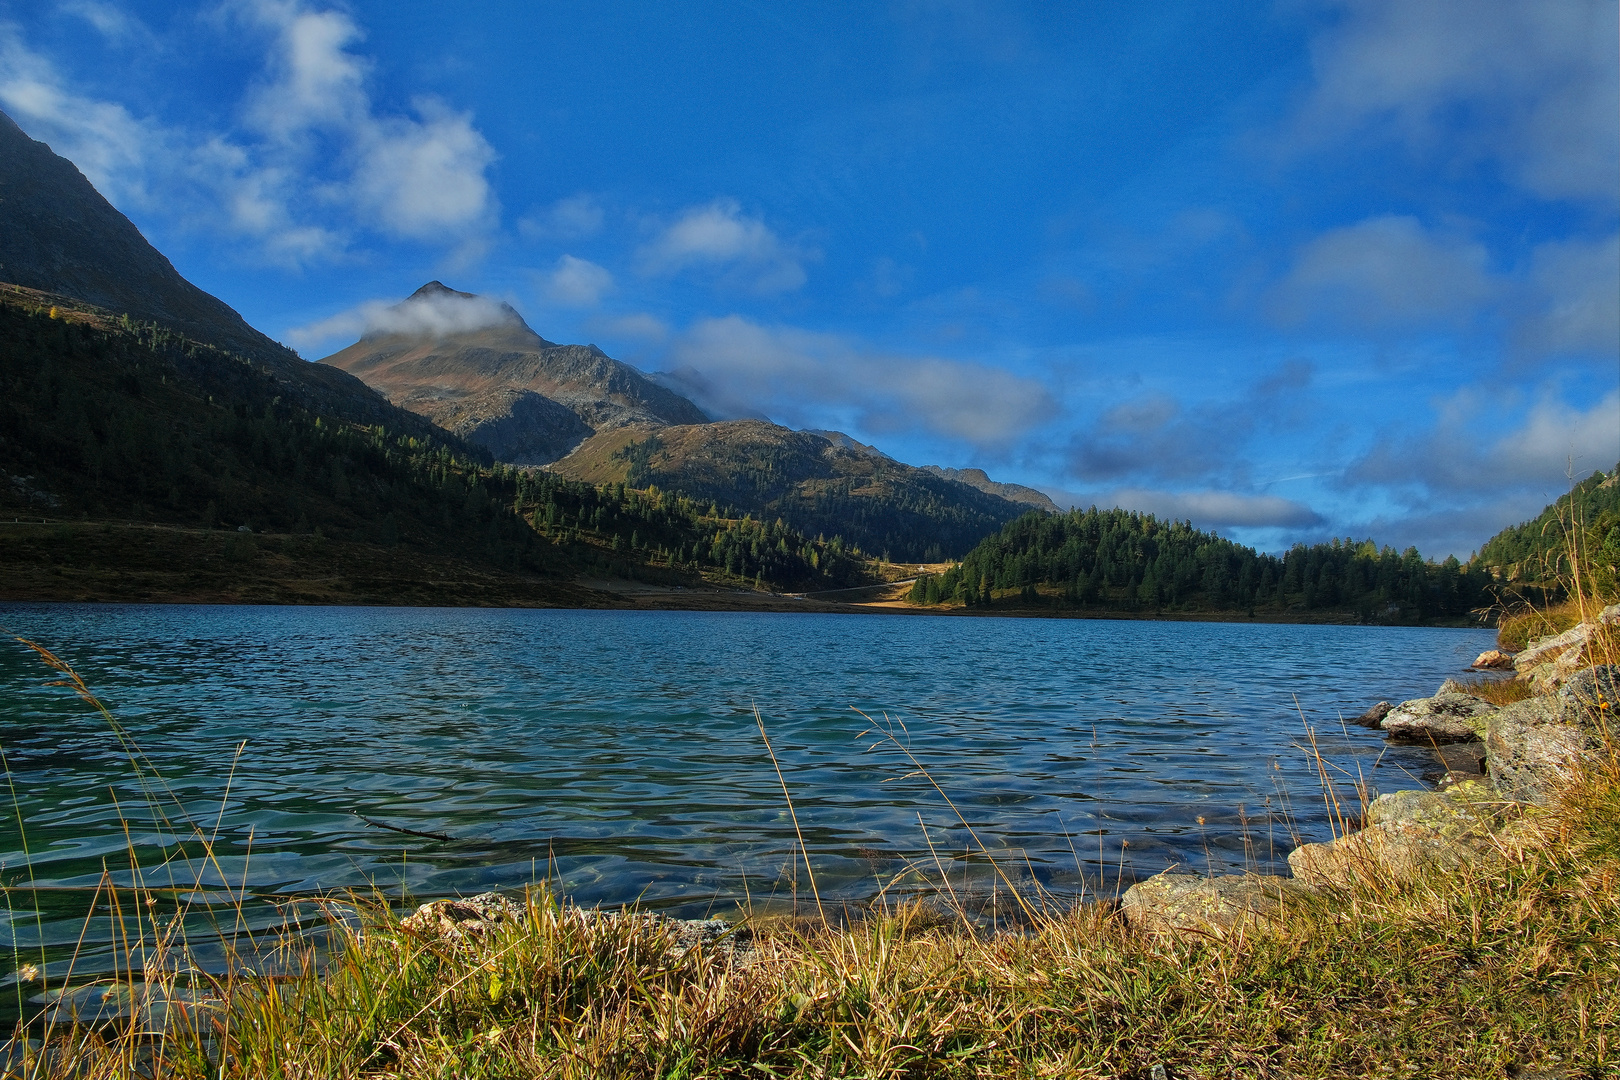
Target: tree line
column 1126, row 561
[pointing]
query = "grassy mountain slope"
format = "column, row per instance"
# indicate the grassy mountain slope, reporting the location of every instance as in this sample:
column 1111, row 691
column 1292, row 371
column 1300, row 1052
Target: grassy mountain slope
column 819, row 488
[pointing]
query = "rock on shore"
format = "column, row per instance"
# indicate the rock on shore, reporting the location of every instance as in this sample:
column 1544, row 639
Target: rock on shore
column 1447, row 717
column 1527, row 750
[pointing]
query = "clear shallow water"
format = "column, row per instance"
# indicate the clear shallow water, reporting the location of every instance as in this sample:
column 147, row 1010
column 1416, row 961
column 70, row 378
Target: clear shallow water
column 617, row 754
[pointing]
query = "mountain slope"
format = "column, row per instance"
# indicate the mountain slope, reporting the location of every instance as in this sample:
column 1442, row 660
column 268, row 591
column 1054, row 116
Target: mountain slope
column 1536, row 552
column 815, row 485
column 977, row 478
column 499, row 384
column 58, row 236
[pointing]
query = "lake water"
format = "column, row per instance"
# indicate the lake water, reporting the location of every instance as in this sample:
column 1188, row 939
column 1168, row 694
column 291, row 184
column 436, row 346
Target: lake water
column 617, row 753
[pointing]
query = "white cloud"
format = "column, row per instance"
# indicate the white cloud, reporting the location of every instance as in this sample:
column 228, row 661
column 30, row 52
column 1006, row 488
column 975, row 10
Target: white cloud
column 720, row 237
column 739, row 368
column 573, row 218
column 419, row 177
column 1206, row 509
column 1531, row 85
column 1386, row 271
column 107, row 144
column 314, row 163
column 430, row 316
column 110, row 21
column 577, row 283
column 1473, row 447
column 1576, row 299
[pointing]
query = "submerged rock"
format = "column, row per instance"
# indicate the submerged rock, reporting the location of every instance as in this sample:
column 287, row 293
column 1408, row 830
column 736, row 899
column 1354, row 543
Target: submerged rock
column 1373, row 716
column 1217, row 905
column 1447, row 717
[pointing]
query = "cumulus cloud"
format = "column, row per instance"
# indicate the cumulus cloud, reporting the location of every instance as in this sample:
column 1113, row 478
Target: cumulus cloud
column 1383, row 272
column 312, row 159
column 577, row 283
column 432, row 315
column 1532, row 86
column 417, row 177
column 735, row 367
column 720, row 238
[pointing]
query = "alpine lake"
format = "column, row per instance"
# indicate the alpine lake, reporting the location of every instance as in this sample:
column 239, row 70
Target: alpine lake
column 262, row 756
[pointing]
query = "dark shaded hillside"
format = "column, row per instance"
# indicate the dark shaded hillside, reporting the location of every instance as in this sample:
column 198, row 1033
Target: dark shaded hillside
column 1117, row 560
column 59, row 236
column 883, row 507
column 116, row 421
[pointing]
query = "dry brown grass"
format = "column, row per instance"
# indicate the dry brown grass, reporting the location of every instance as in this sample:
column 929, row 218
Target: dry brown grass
column 1496, row 689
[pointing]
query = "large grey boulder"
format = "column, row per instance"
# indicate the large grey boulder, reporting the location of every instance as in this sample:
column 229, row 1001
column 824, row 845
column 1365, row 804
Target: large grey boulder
column 1591, row 696
column 1536, row 745
column 1210, row 905
column 1447, row 717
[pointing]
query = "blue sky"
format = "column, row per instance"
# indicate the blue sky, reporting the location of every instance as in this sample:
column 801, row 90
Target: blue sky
column 1292, row 270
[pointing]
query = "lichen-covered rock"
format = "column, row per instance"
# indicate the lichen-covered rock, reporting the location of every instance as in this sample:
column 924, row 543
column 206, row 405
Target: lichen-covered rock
column 1463, row 811
column 1493, row 658
column 1446, row 717
column 459, row 920
column 1591, row 697
column 1217, row 905
column 1386, row 853
column 1534, row 747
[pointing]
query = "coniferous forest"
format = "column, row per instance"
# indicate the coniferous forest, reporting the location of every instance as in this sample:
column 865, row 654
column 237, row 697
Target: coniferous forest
column 1123, row 561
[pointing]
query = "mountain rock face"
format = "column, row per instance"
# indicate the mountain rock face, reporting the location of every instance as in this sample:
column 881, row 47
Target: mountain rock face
column 817, row 485
column 977, row 478
column 60, row 238
column 475, row 368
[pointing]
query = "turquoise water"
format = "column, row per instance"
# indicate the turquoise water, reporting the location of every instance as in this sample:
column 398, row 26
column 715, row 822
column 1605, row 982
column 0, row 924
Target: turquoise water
column 617, row 753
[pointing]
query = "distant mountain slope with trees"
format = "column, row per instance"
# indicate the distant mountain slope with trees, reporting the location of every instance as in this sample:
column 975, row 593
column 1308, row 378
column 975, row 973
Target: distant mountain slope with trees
column 1123, row 561
column 1534, row 555
column 816, row 486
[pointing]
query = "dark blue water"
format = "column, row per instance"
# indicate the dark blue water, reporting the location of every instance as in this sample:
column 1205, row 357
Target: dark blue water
column 617, row 753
